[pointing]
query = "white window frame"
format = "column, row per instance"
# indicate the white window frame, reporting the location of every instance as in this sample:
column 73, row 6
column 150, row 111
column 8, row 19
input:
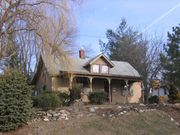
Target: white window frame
column 95, row 70
column 106, row 70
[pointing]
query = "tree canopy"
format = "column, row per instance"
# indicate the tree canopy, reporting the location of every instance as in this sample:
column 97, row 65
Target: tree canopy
column 127, row 44
column 171, row 58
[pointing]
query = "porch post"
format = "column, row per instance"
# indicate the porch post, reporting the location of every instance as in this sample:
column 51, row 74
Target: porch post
column 90, row 83
column 142, row 91
column 70, row 81
column 110, row 96
column 126, row 90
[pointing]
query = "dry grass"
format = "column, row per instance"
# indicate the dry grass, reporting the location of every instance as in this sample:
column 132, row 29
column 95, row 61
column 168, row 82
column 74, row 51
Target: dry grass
column 148, row 123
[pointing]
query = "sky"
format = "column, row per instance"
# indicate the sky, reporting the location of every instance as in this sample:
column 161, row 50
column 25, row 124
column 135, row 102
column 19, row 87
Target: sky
column 94, row 17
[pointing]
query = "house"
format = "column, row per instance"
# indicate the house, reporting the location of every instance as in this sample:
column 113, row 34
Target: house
column 158, row 88
column 119, row 79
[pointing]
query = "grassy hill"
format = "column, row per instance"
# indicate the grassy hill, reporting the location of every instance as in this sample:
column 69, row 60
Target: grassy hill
column 147, row 123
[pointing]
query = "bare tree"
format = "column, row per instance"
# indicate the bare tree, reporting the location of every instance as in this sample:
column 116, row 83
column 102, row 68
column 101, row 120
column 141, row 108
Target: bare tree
column 35, row 26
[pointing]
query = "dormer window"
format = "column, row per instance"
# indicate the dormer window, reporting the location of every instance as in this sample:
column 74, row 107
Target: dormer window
column 104, row 69
column 95, row 68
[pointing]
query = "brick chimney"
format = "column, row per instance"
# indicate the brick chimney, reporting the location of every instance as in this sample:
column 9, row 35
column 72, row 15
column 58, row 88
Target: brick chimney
column 81, row 54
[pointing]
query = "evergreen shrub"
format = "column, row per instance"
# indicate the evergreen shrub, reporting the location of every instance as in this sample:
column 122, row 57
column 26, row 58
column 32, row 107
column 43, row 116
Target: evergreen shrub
column 15, row 100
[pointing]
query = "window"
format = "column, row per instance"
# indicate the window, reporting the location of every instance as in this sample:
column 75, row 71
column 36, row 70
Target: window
column 104, row 69
column 95, row 68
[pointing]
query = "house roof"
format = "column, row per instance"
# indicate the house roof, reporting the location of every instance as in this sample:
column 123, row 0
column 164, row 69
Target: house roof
column 77, row 65
column 91, row 61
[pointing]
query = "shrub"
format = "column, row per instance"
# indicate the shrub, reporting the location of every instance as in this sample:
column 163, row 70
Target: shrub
column 64, row 97
column 47, row 100
column 154, row 99
column 15, row 100
column 35, row 100
column 174, row 93
column 75, row 93
column 98, row 97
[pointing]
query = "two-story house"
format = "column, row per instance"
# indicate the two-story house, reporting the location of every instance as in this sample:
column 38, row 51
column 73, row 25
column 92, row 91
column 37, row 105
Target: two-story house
column 118, row 78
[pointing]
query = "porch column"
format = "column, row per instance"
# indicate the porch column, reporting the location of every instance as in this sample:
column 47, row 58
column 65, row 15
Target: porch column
column 90, row 83
column 142, row 96
column 110, row 96
column 70, row 81
column 126, row 94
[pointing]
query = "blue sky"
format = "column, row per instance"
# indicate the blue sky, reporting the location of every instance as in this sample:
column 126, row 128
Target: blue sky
column 94, row 17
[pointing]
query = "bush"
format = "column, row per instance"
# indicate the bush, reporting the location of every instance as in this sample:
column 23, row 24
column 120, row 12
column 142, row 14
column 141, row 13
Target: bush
column 47, row 100
column 154, row 99
column 64, row 97
column 174, row 93
column 75, row 93
column 98, row 97
column 15, row 100
column 35, row 100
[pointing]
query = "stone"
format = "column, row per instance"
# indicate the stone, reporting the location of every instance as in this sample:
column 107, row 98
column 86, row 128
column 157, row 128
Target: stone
column 152, row 109
column 141, row 111
column 177, row 124
column 49, row 115
column 64, row 112
column 121, row 113
column 136, row 109
column 177, row 104
column 96, row 107
column 172, row 119
column 103, row 115
column 66, row 118
column 54, row 118
column 56, row 114
column 119, row 107
column 79, row 116
column 46, row 119
column 92, row 110
column 141, row 104
column 124, row 111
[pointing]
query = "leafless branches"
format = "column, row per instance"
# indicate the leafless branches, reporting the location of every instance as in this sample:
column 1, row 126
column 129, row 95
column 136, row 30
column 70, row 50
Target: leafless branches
column 29, row 27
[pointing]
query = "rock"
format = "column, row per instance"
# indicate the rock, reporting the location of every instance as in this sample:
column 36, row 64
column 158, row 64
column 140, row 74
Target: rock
column 92, row 110
column 119, row 107
column 103, row 115
column 177, row 104
column 96, row 107
column 79, row 115
column 136, row 109
column 49, row 115
column 66, row 118
column 177, row 124
column 63, row 116
column 152, row 109
column 110, row 115
column 141, row 111
column 121, row 113
column 64, row 112
column 124, row 112
column 56, row 114
column 54, row 118
column 46, row 119
column 172, row 119
column 141, row 104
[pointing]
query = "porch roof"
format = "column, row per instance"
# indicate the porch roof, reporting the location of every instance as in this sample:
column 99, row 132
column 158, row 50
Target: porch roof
column 77, row 65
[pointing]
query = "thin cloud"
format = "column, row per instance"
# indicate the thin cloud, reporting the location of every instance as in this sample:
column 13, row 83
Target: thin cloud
column 161, row 17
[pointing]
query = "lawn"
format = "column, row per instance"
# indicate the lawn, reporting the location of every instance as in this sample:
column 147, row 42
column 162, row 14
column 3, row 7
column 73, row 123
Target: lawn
column 147, row 123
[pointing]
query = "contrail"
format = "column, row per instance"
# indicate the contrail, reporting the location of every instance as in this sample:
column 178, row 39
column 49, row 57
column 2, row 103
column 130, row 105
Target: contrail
column 161, row 17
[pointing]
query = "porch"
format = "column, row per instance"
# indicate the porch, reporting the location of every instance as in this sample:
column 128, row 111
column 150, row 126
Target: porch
column 118, row 89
